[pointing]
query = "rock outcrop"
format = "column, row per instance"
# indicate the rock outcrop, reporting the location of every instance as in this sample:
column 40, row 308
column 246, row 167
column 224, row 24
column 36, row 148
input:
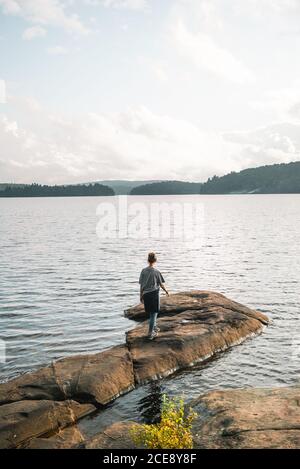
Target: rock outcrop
column 117, row 436
column 231, row 419
column 68, row 438
column 205, row 301
column 248, row 418
column 210, row 323
column 23, row 420
column 97, row 378
column 194, row 326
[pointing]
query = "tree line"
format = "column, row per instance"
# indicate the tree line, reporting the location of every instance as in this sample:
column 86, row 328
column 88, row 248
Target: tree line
column 167, row 188
column 37, row 190
column 272, row 179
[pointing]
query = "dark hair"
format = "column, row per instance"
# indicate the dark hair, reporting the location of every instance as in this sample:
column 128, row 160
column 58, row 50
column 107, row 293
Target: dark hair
column 152, row 257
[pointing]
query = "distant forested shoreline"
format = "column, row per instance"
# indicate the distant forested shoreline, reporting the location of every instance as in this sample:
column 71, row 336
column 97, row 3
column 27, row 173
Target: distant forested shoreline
column 37, row 190
column 281, row 178
column 272, row 179
column 167, row 188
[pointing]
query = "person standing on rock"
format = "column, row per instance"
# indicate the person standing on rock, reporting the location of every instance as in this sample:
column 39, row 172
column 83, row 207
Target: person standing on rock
column 151, row 280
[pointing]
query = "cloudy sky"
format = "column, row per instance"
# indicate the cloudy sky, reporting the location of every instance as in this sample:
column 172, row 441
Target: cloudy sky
column 147, row 89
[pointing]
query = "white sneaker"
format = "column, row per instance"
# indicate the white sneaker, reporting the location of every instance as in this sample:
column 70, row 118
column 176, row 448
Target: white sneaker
column 152, row 336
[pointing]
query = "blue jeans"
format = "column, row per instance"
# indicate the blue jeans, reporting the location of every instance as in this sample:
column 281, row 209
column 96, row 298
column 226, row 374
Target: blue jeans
column 152, row 322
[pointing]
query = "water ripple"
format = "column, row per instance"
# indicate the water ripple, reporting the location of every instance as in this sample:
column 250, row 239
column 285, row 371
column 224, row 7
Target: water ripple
column 63, row 290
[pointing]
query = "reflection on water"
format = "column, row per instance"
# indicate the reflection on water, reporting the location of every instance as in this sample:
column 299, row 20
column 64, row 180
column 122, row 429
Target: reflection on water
column 150, row 405
column 142, row 405
column 63, row 290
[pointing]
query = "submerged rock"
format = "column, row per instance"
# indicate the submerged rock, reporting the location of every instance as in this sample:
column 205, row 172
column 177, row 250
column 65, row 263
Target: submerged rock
column 248, row 418
column 24, row 420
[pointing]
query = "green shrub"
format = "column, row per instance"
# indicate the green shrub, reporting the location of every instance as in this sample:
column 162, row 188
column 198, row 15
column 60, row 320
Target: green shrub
column 172, row 432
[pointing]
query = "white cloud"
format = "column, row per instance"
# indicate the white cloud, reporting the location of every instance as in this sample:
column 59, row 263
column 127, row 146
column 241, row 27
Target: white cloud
column 2, row 92
column 57, row 50
column 206, row 14
column 46, row 13
column 281, row 103
column 278, row 143
column 122, row 4
column 278, row 5
column 294, row 110
column 205, row 53
column 156, row 67
column 205, row 39
column 34, row 32
column 137, row 143
column 131, row 144
column 260, row 7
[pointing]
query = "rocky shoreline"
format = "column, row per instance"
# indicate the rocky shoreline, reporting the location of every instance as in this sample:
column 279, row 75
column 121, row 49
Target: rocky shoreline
column 44, row 405
column 231, row 419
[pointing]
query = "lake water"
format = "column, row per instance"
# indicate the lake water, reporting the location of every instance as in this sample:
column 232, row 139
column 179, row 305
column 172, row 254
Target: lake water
column 63, row 289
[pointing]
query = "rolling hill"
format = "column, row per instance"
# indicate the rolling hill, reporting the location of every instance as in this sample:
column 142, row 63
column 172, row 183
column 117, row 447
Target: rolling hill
column 167, row 188
column 271, row 179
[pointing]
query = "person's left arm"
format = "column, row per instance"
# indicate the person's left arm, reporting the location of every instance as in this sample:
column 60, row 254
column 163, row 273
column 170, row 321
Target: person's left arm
column 141, row 288
column 164, row 289
column 162, row 284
